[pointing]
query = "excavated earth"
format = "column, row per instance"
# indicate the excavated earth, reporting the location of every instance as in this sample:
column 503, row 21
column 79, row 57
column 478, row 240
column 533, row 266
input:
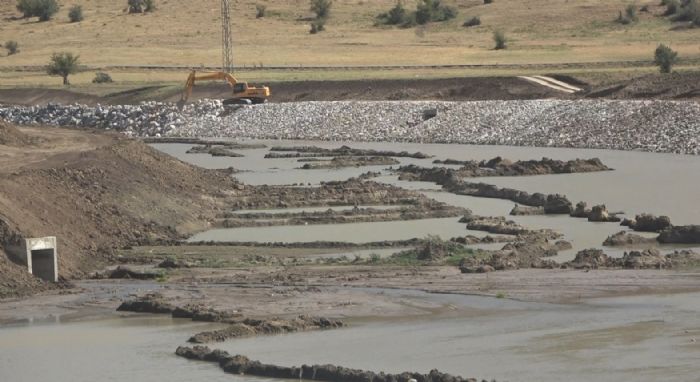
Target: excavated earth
column 95, row 192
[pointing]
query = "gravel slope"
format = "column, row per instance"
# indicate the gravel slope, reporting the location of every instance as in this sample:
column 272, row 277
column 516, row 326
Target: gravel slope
column 649, row 125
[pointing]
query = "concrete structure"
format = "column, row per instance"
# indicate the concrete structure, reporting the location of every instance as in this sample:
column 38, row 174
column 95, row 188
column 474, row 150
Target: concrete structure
column 40, row 257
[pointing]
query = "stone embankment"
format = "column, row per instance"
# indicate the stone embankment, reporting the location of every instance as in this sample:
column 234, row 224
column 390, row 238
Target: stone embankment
column 241, row 365
column 648, row 125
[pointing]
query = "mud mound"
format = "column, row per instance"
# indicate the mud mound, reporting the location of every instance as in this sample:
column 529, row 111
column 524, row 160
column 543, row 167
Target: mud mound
column 11, row 136
column 124, row 193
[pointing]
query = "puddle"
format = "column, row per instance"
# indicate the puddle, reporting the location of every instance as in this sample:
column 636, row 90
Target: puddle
column 351, row 232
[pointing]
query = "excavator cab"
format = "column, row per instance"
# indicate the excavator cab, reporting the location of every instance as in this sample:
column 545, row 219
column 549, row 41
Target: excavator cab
column 240, row 87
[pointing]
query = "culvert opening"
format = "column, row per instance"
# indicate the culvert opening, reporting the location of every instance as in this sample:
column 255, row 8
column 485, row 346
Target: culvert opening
column 44, row 263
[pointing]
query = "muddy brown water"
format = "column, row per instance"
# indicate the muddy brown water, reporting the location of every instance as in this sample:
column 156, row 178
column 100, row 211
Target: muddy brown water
column 642, row 182
column 664, row 184
column 645, row 338
column 122, row 349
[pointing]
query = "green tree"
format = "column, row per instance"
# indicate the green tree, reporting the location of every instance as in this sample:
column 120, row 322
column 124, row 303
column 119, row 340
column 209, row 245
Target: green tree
column 665, row 57
column 44, row 9
column 322, row 8
column 63, row 64
column 499, row 38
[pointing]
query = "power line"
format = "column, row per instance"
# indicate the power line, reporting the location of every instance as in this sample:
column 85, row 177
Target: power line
column 226, row 38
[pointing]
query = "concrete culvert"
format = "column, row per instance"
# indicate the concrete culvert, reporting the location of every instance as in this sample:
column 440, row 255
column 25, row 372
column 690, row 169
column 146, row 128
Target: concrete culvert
column 40, row 257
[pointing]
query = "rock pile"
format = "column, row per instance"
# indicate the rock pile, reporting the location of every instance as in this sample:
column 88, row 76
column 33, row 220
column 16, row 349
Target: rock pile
column 148, row 119
column 649, row 125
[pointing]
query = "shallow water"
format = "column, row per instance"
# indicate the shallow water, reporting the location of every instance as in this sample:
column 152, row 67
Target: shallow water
column 632, row 338
column 127, row 349
column 352, row 232
column 646, row 338
column 641, row 182
column 315, row 209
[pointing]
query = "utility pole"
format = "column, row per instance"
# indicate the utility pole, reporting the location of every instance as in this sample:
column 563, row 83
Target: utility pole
column 226, row 38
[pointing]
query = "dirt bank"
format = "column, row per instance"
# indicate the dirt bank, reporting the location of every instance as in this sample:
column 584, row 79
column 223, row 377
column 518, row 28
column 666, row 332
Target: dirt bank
column 95, row 192
column 684, row 85
column 649, row 86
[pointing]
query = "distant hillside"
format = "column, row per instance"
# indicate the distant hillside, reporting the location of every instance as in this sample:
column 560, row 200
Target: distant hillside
column 186, row 32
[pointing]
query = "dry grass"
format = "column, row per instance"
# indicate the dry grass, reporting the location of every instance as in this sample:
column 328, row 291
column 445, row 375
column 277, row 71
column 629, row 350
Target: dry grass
column 186, row 33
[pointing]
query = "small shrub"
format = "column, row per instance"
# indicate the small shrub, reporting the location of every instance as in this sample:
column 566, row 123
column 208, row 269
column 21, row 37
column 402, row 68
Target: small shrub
column 12, row 47
column 26, row 7
column 141, row 6
column 426, row 11
column 260, row 10
column 665, row 57
column 63, row 64
column 43, row 9
column 689, row 11
column 135, row 6
column 102, row 78
column 629, row 16
column 149, row 5
column 500, row 295
column 75, row 14
column 474, row 21
column 499, row 38
column 672, row 7
column 488, row 1
column 396, row 15
column 322, row 8
column 445, row 13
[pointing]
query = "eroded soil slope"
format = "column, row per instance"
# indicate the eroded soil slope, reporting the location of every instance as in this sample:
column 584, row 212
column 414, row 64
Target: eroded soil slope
column 95, row 192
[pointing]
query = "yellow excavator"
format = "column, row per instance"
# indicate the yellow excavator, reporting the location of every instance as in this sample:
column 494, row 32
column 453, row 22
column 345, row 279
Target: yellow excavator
column 243, row 94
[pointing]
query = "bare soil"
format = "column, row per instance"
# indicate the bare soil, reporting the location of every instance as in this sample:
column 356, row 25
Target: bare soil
column 95, row 192
column 682, row 85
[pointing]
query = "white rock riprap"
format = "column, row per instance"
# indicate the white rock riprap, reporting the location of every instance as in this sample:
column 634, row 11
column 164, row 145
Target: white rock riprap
column 649, row 125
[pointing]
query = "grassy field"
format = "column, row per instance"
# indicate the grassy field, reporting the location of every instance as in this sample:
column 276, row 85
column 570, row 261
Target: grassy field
column 185, row 33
